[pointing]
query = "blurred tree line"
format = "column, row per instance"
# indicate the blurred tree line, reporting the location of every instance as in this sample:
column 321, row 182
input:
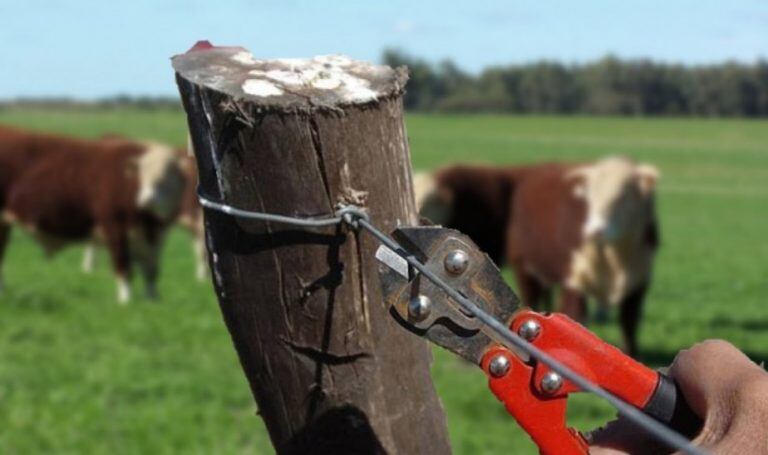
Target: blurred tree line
column 610, row 86
column 148, row 103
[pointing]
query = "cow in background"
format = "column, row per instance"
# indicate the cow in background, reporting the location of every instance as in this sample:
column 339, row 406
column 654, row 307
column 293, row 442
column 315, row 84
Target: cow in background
column 589, row 229
column 190, row 215
column 124, row 194
column 20, row 151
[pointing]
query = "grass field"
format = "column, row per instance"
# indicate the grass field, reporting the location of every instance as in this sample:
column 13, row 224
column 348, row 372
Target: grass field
column 80, row 374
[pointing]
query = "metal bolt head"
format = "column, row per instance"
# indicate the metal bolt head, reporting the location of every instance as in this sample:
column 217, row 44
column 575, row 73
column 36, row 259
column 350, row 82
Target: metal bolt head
column 456, row 262
column 499, row 365
column 551, row 382
column 419, row 307
column 529, row 329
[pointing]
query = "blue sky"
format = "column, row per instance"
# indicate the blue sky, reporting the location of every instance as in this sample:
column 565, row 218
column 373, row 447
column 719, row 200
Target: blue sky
column 94, row 48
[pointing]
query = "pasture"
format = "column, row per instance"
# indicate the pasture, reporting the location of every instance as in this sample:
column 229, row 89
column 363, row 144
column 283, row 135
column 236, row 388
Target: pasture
column 80, row 374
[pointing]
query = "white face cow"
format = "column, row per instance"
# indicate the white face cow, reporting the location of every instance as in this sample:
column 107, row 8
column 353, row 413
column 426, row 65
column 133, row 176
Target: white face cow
column 161, row 181
column 617, row 194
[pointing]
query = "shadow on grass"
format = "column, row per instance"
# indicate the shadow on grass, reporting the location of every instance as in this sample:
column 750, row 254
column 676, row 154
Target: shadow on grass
column 32, row 301
column 721, row 322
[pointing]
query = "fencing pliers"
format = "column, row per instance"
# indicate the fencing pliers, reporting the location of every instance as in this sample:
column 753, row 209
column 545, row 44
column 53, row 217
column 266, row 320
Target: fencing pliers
column 534, row 394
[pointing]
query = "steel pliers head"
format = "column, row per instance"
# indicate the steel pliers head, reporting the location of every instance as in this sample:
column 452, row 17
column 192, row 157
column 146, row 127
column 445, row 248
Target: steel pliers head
column 426, row 310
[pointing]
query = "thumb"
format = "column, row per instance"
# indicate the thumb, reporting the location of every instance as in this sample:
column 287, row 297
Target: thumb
column 729, row 392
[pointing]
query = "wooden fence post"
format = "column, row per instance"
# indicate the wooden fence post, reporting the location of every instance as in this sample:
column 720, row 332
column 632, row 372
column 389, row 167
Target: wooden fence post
column 330, row 371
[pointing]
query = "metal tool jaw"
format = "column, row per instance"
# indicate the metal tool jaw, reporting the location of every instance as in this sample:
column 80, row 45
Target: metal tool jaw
column 425, row 309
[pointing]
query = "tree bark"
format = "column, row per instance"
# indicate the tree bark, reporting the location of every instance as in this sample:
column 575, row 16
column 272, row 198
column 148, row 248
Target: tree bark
column 329, row 369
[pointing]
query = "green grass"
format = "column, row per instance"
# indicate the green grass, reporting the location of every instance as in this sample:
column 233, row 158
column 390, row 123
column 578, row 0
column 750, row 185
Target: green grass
column 80, row 374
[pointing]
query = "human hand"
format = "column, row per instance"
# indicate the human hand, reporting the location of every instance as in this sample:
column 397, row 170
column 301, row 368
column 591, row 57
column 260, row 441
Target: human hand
column 722, row 386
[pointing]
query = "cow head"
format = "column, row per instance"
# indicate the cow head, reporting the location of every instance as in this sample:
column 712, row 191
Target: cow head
column 618, row 196
column 161, row 181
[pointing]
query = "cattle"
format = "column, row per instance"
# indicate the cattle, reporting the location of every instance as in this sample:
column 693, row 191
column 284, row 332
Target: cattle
column 190, row 215
column 64, row 190
column 588, row 229
column 14, row 161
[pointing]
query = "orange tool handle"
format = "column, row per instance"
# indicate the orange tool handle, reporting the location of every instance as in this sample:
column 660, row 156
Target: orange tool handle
column 537, row 397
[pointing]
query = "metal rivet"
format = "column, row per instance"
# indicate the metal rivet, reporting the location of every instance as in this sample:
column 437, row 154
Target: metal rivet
column 499, row 366
column 456, row 262
column 419, row 307
column 551, row 382
column 529, row 329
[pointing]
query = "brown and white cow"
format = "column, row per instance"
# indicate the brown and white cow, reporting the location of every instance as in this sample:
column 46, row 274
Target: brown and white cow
column 190, row 215
column 589, row 229
column 64, row 190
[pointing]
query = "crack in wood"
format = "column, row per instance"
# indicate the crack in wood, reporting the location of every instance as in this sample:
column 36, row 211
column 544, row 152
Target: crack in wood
column 361, row 281
column 324, row 357
column 241, row 115
column 317, row 146
column 285, row 301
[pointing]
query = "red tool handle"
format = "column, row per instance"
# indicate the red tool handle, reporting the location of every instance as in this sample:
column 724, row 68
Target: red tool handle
column 537, row 397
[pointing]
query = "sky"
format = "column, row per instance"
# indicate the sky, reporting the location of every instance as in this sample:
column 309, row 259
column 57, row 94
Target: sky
column 89, row 49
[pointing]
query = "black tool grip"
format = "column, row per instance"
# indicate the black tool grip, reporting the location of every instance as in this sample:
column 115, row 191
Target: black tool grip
column 668, row 406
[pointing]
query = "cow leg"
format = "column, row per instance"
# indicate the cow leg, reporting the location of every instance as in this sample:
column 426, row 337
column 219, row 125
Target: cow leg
column 5, row 234
column 119, row 252
column 149, row 264
column 146, row 245
column 573, row 304
column 531, row 290
column 629, row 317
column 89, row 257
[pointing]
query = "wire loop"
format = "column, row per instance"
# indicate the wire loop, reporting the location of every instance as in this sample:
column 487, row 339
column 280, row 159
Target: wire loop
column 351, row 215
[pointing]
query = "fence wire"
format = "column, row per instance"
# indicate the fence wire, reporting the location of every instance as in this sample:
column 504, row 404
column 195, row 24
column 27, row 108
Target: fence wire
column 357, row 218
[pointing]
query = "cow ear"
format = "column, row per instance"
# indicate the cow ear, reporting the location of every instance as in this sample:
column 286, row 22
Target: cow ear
column 647, row 175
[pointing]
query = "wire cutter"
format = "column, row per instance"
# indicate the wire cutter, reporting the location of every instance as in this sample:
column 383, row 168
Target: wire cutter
column 532, row 393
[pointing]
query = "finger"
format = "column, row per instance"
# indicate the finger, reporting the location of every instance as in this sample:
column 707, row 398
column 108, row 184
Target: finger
column 722, row 385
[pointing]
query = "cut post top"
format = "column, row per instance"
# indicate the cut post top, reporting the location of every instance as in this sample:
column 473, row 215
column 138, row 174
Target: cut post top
column 323, row 81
